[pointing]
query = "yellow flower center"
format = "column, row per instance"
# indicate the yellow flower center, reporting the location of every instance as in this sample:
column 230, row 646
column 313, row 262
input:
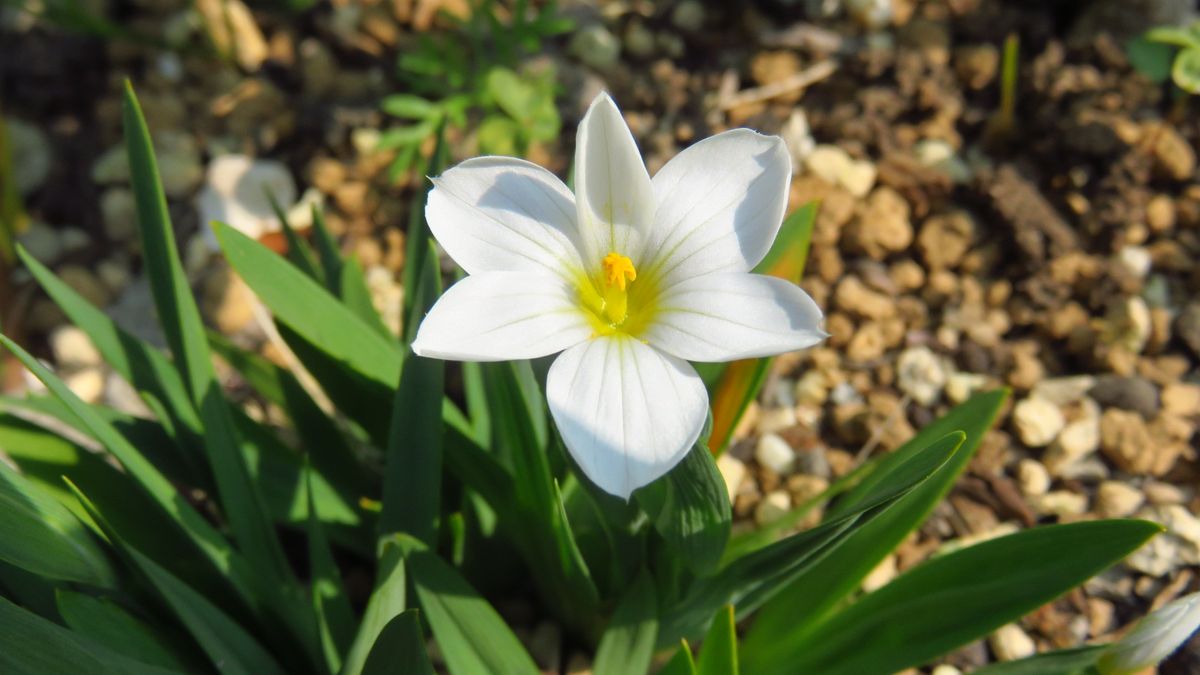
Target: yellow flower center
column 613, row 301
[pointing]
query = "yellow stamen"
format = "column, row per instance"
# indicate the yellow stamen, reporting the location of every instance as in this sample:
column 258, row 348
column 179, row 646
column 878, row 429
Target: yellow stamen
column 618, row 269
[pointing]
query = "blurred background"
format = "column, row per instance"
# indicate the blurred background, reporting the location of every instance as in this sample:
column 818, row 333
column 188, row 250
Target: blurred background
column 1008, row 196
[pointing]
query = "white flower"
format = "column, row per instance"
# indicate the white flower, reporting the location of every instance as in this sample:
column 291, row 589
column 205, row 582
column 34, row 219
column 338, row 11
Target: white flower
column 1154, row 638
column 630, row 278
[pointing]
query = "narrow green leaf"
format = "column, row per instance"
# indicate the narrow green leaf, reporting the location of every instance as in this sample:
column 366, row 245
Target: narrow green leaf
column 690, row 509
column 143, row 366
column 752, row 579
column 681, row 663
column 413, row 464
column 408, row 106
column 808, row 600
column 788, row 254
column 352, row 289
column 40, row 535
column 329, row 252
column 417, row 243
column 109, row 624
column 627, row 645
column 718, row 652
column 400, row 648
column 1075, row 661
column 335, row 618
column 472, row 636
column 228, row 646
column 1185, row 72
column 953, row 599
column 1173, row 35
column 298, row 251
column 180, row 320
column 31, row 645
column 198, row 530
column 387, row 602
column 310, row 310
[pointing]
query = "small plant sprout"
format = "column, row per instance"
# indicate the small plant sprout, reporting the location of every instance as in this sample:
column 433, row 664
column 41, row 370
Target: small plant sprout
column 1185, row 67
column 632, row 277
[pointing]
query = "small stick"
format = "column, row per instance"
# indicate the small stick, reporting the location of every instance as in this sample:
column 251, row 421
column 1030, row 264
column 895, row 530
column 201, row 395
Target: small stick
column 801, row 80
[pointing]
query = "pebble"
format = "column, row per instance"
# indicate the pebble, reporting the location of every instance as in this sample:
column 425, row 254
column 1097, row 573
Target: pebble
column 1010, row 643
column 234, row 32
column 596, row 47
column 688, row 16
column 178, row 163
column 773, row 506
column 1187, row 327
column 1126, row 441
column 1136, row 260
column 945, row 669
column 87, row 384
column 1032, row 478
column 1178, row 546
column 834, row 165
column 1160, row 493
column 1128, row 393
column 921, row 374
column 798, row 137
column 30, row 150
column 881, row 575
column 42, row 242
column 945, row 239
column 961, row 386
column 853, row 296
column 1062, row 503
column 1160, row 213
column 235, row 193
column 639, row 40
column 1064, row 390
column 1173, row 155
column 1079, row 439
column 118, row 210
column 227, row 301
column 733, row 470
column 1037, row 421
column 1181, row 398
column 871, row 14
column 812, row 388
column 1115, row 499
column 72, row 348
column 772, row 420
column 774, row 453
column 940, row 155
column 883, row 227
column 1127, row 324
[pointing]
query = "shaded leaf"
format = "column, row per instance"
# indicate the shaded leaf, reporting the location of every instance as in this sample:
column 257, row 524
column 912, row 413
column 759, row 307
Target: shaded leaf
column 628, row 643
column 400, row 648
column 690, row 508
column 718, row 652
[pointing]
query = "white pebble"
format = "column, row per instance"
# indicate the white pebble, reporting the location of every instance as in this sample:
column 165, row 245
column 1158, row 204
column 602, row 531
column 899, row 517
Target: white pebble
column 1037, row 421
column 774, row 453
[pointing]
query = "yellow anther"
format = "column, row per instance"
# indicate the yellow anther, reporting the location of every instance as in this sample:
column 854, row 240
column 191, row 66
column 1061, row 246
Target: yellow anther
column 618, row 269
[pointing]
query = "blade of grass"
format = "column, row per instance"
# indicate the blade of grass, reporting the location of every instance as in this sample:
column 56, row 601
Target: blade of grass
column 111, row 625
column 400, row 648
column 335, row 618
column 180, row 320
column 387, row 602
column 627, row 645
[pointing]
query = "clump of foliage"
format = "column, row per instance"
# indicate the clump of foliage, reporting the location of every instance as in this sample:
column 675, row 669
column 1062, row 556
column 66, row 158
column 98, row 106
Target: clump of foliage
column 470, row 77
column 154, row 545
column 1169, row 51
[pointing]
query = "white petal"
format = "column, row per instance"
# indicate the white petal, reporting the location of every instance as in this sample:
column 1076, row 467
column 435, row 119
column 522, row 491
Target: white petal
column 720, row 205
column 497, row 316
column 495, row 214
column 627, row 412
column 612, row 189
column 721, row 317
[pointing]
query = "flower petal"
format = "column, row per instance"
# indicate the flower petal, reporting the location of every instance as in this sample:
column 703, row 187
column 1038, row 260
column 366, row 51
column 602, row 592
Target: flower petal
column 497, row 316
column 627, row 412
column 720, row 205
column 612, row 189
column 495, row 214
column 722, row 317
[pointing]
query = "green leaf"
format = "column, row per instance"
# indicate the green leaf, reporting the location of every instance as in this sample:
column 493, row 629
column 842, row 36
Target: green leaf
column 310, row 310
column 498, row 136
column 143, row 366
column 357, row 297
column 681, row 663
column 197, row 529
column 689, row 507
column 1186, row 70
column 418, row 239
column 387, row 602
column 953, row 599
column 31, row 645
column 718, row 652
column 228, row 646
column 335, row 618
column 111, row 625
column 298, row 251
column 812, row 596
column 627, row 645
column 180, row 320
column 472, row 636
column 399, row 137
column 1075, row 661
column 1152, row 59
column 788, row 255
column 409, row 106
column 1174, row 35
column 400, row 648
column 413, row 463
column 40, row 535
